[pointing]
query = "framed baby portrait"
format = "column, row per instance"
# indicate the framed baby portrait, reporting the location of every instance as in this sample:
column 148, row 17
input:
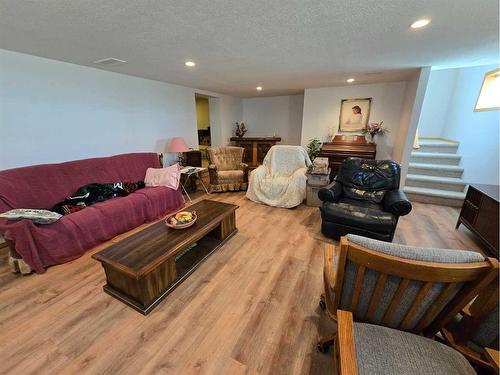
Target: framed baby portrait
column 354, row 114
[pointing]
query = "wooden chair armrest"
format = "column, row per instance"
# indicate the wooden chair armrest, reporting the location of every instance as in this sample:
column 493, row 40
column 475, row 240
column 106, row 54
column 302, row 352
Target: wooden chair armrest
column 493, row 357
column 330, row 270
column 345, row 347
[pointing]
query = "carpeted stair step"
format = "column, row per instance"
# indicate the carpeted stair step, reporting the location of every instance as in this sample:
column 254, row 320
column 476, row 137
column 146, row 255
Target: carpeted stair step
column 439, row 146
column 434, row 196
column 435, row 182
column 435, row 170
column 435, row 158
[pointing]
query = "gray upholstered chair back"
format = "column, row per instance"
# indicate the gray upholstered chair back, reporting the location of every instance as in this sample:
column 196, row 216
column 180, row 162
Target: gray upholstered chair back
column 486, row 334
column 388, row 296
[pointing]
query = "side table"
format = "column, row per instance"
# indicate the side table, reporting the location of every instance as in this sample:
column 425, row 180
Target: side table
column 186, row 173
column 315, row 182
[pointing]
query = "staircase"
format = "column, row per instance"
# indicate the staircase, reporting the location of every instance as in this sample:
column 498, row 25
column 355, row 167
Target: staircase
column 434, row 174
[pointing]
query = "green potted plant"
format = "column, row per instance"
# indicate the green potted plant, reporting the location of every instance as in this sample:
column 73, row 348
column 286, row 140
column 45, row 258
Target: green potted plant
column 313, row 148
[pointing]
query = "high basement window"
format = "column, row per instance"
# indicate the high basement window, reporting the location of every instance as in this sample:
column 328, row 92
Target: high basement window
column 489, row 96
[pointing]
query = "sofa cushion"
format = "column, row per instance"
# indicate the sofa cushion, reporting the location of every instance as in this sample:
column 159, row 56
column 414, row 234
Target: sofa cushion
column 227, row 177
column 363, row 214
column 168, row 176
column 386, row 351
column 422, row 254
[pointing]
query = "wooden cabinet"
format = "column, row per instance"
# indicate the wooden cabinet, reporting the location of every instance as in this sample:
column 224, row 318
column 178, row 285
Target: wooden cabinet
column 346, row 146
column 256, row 148
column 480, row 214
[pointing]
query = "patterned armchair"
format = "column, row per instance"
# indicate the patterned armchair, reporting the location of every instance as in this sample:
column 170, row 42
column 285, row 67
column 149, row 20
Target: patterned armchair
column 227, row 170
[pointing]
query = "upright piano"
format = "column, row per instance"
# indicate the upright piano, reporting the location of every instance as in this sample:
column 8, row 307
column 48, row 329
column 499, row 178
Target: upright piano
column 346, row 146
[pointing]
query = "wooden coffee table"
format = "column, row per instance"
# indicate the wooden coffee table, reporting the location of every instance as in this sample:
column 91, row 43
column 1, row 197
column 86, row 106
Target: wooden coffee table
column 144, row 268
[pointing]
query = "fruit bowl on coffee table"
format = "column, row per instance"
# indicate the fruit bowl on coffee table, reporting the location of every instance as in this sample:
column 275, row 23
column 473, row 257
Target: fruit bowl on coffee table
column 181, row 220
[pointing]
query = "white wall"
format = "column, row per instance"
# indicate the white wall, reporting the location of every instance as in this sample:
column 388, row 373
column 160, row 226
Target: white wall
column 279, row 114
column 477, row 132
column 448, row 112
column 410, row 115
column 51, row 111
column 322, row 110
column 436, row 105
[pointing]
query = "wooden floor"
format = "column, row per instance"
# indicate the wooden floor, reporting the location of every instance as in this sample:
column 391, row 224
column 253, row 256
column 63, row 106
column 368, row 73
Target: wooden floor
column 252, row 308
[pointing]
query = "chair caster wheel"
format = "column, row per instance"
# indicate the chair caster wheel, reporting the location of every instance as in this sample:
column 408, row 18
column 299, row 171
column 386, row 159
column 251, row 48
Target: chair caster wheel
column 323, row 348
column 322, row 305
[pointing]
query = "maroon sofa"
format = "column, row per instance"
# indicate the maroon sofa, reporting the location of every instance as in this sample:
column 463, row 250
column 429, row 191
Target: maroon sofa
column 42, row 186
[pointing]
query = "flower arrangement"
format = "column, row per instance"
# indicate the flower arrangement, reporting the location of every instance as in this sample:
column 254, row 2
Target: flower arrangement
column 375, row 128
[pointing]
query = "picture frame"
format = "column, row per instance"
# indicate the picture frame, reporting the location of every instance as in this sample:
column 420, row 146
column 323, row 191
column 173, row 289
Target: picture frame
column 354, row 114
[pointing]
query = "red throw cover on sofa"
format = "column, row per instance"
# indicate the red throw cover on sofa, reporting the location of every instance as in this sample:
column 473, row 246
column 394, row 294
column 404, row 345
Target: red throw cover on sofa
column 42, row 186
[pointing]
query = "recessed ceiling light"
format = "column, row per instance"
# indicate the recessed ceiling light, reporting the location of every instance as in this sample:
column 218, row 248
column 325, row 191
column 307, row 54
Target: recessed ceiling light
column 190, row 63
column 259, row 88
column 420, row 23
column 351, row 80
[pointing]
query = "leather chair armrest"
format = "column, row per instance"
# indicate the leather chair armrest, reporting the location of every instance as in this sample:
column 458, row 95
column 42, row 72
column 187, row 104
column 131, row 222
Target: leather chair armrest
column 395, row 201
column 331, row 193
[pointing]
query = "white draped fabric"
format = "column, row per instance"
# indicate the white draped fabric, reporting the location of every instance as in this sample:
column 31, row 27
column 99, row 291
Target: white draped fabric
column 281, row 180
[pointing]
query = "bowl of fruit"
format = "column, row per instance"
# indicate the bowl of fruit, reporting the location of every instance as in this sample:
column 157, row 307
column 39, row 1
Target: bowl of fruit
column 181, row 220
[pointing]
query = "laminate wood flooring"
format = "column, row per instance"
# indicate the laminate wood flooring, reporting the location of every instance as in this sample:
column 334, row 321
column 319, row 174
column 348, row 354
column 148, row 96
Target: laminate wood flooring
column 251, row 308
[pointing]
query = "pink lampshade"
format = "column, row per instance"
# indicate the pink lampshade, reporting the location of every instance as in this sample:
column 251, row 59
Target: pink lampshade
column 178, row 144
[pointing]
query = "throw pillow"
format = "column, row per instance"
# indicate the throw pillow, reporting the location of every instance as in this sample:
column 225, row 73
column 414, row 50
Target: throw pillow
column 169, row 176
column 36, row 216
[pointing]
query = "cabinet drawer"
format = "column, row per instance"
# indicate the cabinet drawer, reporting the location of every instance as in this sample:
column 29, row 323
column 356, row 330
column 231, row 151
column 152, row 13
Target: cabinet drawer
column 473, row 196
column 469, row 212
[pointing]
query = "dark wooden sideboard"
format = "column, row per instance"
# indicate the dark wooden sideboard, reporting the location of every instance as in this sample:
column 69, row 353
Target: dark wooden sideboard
column 346, row 146
column 480, row 214
column 256, row 148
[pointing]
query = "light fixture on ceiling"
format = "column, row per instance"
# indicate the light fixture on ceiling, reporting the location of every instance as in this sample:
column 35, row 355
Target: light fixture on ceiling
column 190, row 63
column 110, row 61
column 420, row 23
column 259, row 88
column 350, row 80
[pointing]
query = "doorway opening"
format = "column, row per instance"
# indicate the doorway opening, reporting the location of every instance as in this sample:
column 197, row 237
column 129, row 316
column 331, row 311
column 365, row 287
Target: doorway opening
column 203, row 124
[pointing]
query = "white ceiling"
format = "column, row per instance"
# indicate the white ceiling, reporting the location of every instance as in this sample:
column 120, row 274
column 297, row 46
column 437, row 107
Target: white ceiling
column 282, row 45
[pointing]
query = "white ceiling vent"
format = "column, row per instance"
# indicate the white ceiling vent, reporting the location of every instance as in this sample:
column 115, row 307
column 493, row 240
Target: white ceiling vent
column 110, row 61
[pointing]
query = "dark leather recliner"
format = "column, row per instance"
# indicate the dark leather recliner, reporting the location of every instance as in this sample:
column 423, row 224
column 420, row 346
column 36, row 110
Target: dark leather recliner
column 364, row 199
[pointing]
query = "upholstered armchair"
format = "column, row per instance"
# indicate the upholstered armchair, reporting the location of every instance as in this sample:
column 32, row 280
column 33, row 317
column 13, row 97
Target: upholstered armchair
column 367, row 349
column 363, row 199
column 408, row 288
column 227, row 170
column 281, row 180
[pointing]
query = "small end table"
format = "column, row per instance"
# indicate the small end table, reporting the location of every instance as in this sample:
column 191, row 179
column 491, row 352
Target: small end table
column 186, row 173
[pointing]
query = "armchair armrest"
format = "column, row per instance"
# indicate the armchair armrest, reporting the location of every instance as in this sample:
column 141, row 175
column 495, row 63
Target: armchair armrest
column 212, row 172
column 493, row 357
column 345, row 345
column 244, row 167
column 331, row 193
column 395, row 201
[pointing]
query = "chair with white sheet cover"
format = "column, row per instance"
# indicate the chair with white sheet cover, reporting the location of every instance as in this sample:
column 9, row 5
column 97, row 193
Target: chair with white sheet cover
column 281, row 180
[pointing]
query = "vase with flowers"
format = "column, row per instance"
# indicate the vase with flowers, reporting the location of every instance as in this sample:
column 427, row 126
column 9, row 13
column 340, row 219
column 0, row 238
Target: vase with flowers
column 373, row 129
